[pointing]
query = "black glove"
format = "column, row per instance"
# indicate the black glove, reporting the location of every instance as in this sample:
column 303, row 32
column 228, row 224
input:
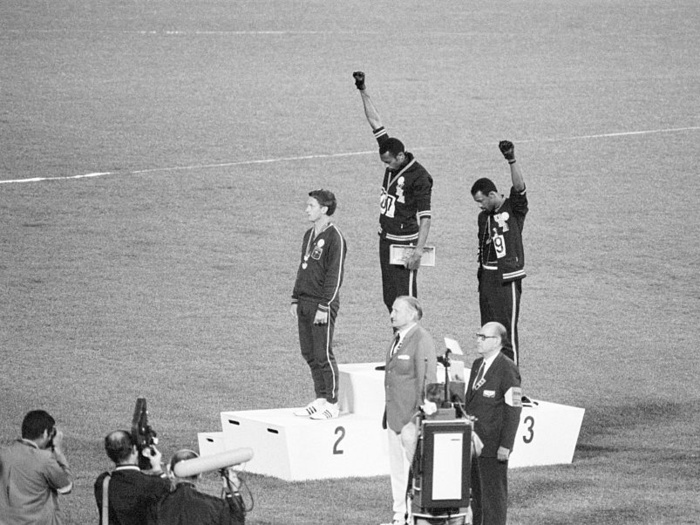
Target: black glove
column 359, row 80
column 508, row 150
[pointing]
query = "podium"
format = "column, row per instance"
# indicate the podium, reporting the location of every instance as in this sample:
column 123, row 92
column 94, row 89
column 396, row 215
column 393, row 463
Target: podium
column 296, row 448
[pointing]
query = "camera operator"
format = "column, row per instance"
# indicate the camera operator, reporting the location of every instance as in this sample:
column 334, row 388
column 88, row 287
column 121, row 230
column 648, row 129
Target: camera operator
column 128, row 492
column 33, row 471
column 185, row 505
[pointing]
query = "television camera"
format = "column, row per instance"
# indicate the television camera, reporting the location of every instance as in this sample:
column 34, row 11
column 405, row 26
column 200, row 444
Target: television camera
column 235, row 492
column 141, row 432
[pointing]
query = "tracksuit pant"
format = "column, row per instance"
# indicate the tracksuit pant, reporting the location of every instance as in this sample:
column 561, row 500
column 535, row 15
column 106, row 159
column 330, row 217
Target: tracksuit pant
column 316, row 342
column 500, row 302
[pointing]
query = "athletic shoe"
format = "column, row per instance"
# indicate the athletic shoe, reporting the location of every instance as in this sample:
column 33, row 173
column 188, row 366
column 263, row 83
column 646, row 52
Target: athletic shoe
column 331, row 411
column 312, row 408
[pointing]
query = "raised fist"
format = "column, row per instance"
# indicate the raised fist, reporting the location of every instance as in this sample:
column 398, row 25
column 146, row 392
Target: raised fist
column 507, row 149
column 359, row 79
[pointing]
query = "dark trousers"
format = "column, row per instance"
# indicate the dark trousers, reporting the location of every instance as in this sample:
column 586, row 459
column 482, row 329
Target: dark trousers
column 489, row 491
column 396, row 280
column 501, row 303
column 316, row 342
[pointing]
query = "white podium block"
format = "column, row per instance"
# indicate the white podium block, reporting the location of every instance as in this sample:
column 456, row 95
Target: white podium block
column 547, row 435
column 361, row 389
column 297, row 448
column 211, row 443
column 355, row 445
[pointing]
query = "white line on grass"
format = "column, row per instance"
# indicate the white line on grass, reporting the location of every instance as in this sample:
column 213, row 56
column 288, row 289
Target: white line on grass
column 618, row 134
column 324, row 156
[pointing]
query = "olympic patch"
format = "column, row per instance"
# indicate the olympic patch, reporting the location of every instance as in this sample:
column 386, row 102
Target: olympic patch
column 502, row 220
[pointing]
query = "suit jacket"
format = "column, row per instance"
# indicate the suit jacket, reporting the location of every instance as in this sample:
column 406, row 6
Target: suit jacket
column 496, row 404
column 187, row 506
column 132, row 494
column 407, row 374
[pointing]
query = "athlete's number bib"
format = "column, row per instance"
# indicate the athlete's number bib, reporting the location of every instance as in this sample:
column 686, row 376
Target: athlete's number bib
column 499, row 245
column 387, row 204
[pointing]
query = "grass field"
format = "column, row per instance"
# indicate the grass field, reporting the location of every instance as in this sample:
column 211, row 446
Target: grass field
column 155, row 157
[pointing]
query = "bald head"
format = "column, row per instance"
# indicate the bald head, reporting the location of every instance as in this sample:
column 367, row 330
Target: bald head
column 495, row 329
column 491, row 338
column 120, row 446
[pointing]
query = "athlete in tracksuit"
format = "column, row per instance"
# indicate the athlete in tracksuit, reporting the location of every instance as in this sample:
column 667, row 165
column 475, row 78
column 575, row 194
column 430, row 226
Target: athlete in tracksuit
column 315, row 301
column 501, row 256
column 405, row 211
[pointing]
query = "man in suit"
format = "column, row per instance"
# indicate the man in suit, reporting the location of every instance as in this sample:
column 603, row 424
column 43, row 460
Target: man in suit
column 494, row 398
column 410, row 366
column 130, row 492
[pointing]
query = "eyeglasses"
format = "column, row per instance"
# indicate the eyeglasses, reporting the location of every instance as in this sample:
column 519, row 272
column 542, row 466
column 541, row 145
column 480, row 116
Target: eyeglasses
column 484, row 337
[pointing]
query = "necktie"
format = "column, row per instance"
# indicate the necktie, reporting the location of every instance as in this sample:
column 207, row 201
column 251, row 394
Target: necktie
column 395, row 345
column 479, row 377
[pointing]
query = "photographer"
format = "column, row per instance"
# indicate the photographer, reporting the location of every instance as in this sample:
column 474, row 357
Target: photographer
column 128, row 492
column 185, row 505
column 33, row 471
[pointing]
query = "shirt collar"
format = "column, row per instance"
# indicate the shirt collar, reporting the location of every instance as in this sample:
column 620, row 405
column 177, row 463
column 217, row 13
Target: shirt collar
column 29, row 443
column 402, row 333
column 127, row 467
column 488, row 362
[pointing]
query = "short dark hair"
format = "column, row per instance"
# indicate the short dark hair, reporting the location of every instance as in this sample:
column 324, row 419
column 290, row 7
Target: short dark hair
column 325, row 198
column 35, row 422
column 484, row 186
column 393, row 146
column 119, row 445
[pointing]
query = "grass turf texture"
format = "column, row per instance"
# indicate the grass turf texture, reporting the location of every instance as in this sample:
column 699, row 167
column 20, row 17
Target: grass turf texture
column 170, row 277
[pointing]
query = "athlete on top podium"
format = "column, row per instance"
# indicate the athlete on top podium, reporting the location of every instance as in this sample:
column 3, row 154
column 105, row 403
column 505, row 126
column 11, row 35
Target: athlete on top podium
column 405, row 205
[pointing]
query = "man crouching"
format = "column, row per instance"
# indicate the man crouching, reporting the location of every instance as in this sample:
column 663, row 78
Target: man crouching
column 185, row 505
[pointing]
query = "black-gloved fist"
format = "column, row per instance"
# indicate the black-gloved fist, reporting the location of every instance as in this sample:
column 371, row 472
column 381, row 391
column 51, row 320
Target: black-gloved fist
column 359, row 79
column 507, row 149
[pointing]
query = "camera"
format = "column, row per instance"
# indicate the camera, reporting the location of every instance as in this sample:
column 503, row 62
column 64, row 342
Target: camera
column 142, row 434
column 50, row 444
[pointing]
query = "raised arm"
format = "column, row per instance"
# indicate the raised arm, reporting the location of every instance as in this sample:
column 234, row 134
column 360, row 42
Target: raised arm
column 370, row 110
column 508, row 150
